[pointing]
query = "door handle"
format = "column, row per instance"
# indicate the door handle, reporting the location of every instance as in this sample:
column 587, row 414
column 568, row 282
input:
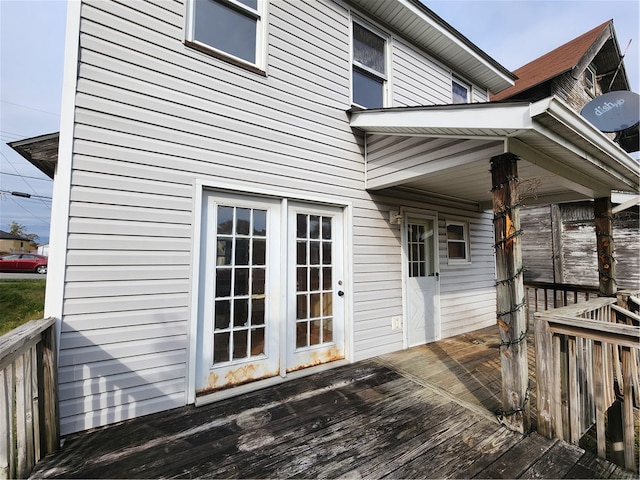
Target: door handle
column 340, row 293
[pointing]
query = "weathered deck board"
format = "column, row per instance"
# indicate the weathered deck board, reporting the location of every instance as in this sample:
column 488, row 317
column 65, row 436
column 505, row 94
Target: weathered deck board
column 418, row 414
column 560, row 458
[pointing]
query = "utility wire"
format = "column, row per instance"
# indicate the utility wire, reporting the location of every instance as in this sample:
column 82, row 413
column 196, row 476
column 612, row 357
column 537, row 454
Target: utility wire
column 24, row 195
column 43, row 220
column 23, row 179
column 31, row 108
column 8, row 135
column 25, row 176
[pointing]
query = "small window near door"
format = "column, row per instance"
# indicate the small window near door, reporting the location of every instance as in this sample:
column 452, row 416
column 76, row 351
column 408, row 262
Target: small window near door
column 459, row 91
column 369, row 67
column 458, row 242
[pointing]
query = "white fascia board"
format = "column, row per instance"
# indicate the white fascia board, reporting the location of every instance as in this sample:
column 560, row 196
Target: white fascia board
column 480, row 118
column 614, row 156
column 631, row 202
column 451, row 38
column 59, row 228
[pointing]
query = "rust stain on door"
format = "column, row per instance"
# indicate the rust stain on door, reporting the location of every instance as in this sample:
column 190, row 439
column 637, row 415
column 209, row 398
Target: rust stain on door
column 317, row 358
column 243, row 374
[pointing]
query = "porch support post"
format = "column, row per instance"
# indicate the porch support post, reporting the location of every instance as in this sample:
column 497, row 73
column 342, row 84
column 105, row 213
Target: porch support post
column 604, row 241
column 512, row 319
column 556, row 243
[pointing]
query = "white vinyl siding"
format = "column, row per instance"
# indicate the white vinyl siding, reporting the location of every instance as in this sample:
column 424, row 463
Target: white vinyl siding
column 467, row 291
column 153, row 119
column 421, row 80
column 458, row 283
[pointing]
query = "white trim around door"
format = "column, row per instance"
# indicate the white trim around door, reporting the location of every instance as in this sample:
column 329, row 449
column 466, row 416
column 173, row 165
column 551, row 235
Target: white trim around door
column 272, row 292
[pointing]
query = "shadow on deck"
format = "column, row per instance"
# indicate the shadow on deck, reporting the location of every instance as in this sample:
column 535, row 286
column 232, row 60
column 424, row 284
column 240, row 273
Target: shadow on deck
column 422, row 413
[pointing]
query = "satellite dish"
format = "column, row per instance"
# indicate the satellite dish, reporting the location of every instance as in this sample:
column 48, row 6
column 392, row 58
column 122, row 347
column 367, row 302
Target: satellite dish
column 613, row 111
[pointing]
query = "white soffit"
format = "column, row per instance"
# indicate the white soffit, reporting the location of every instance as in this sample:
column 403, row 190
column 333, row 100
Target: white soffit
column 419, row 24
column 548, row 126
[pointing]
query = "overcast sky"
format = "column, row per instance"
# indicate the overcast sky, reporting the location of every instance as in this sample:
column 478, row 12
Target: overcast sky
column 32, row 50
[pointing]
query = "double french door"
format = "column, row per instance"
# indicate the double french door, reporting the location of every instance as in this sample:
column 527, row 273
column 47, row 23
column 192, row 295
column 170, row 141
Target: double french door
column 271, row 295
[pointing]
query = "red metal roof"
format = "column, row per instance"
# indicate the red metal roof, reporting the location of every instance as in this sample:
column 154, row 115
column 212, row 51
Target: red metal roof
column 552, row 64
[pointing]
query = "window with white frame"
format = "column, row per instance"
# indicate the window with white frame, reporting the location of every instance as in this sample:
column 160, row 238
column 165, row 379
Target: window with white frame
column 458, row 242
column 233, row 30
column 369, row 75
column 590, row 80
column 460, row 91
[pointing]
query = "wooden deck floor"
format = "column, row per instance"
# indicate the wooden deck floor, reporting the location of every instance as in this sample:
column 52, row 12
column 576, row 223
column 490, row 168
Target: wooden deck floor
column 422, row 413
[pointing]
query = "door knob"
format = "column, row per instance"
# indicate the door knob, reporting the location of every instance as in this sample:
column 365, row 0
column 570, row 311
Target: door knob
column 340, row 293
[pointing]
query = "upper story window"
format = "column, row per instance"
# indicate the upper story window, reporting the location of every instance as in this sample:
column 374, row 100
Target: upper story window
column 458, row 242
column 233, row 30
column 460, row 91
column 590, row 80
column 369, row 71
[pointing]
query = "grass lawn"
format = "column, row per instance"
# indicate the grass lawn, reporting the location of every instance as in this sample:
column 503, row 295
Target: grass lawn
column 20, row 301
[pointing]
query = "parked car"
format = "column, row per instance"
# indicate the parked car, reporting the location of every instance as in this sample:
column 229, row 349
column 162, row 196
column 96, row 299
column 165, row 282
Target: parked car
column 23, row 262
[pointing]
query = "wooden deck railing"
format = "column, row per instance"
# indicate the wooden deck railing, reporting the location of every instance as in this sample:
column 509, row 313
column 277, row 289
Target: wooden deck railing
column 587, row 360
column 541, row 296
column 29, row 423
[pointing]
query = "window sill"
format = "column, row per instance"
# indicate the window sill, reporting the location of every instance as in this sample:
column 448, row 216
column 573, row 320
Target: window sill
column 225, row 58
column 458, row 263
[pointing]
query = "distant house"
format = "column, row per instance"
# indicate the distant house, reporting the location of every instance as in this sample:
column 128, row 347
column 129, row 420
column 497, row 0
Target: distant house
column 43, row 250
column 10, row 243
column 559, row 239
column 234, row 210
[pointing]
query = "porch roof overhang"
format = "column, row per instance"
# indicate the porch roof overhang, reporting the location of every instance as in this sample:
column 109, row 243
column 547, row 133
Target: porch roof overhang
column 445, row 150
column 41, row 151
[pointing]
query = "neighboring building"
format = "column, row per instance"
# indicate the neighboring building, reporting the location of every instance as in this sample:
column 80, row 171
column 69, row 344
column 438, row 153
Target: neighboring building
column 248, row 192
column 10, row 243
column 43, row 250
column 578, row 71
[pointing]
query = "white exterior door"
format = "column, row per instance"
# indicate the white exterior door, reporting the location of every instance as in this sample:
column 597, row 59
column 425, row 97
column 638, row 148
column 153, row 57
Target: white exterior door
column 316, row 299
column 272, row 289
column 238, row 332
column 421, row 280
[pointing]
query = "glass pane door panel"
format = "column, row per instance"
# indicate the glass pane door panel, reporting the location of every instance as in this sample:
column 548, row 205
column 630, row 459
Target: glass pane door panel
column 420, row 248
column 240, row 284
column 314, row 312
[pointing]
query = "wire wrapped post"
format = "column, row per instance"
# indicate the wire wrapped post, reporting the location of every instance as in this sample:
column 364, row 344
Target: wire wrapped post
column 604, row 244
column 511, row 304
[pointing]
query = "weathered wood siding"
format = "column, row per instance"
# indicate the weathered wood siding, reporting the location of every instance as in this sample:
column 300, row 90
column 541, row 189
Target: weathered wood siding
column 537, row 245
column 154, row 116
column 578, row 240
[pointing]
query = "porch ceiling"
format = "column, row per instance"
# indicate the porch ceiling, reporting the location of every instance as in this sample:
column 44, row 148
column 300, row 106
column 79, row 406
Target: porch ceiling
column 445, row 150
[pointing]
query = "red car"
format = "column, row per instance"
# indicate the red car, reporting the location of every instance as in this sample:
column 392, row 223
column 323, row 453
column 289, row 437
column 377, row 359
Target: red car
column 23, row 262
